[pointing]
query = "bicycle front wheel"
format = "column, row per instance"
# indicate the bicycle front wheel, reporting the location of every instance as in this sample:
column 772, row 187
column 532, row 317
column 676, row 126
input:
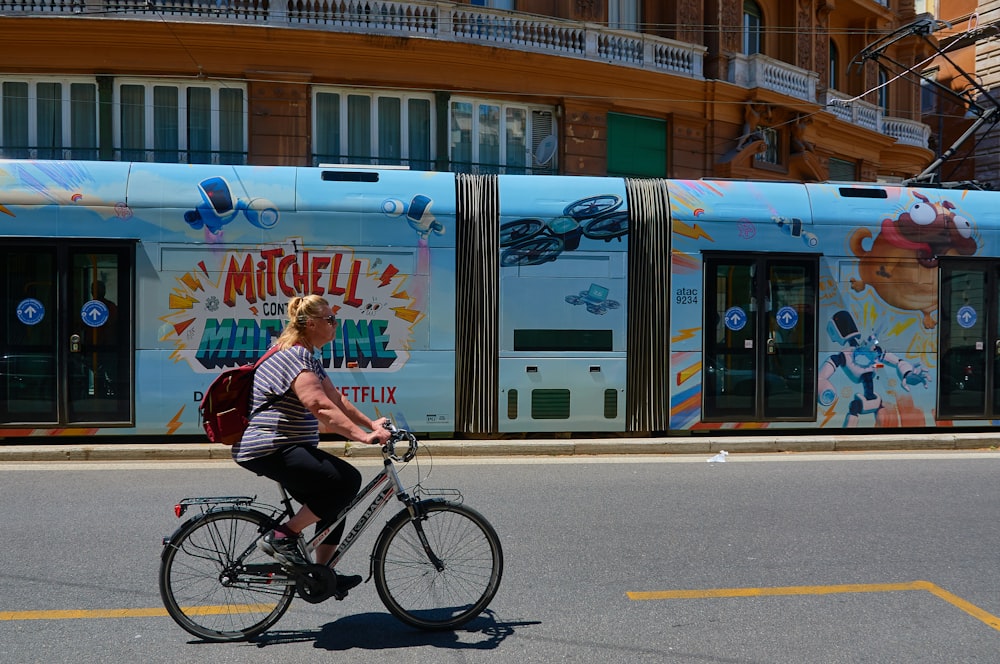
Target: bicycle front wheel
column 214, row 581
column 447, row 586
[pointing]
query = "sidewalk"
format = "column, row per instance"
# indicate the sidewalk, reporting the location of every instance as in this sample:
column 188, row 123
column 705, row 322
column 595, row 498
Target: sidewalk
column 763, row 443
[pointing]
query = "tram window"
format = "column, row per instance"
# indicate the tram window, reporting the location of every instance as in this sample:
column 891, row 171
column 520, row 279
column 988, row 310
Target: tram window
column 858, row 192
column 563, row 340
column 349, row 176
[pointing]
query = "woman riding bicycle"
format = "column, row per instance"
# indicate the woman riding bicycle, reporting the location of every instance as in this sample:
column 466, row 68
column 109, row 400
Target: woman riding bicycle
column 293, row 401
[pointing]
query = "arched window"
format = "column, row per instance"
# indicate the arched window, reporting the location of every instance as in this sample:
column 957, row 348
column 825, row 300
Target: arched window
column 751, row 27
column 832, row 81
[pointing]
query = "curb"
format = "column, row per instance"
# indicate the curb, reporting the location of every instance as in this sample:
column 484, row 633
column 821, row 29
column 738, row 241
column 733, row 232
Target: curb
column 533, row 447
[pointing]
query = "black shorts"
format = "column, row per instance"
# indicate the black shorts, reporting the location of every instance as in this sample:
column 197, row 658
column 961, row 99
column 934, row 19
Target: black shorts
column 322, row 482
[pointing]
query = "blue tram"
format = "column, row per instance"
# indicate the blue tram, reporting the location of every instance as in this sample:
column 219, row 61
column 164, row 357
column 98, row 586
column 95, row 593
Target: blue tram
column 496, row 304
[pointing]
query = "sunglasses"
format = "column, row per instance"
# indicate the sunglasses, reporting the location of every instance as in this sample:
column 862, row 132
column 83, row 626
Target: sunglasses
column 332, row 320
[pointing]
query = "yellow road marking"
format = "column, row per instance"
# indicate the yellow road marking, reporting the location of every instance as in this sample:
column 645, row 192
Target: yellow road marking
column 937, row 591
column 76, row 614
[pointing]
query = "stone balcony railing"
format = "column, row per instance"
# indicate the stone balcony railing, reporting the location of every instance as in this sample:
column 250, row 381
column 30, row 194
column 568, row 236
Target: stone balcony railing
column 435, row 20
column 496, row 28
column 760, row 71
column 871, row 116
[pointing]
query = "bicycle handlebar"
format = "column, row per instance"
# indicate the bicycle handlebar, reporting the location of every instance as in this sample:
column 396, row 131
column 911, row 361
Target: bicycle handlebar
column 398, row 435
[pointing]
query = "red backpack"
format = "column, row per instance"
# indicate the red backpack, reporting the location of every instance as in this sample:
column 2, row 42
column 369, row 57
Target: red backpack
column 225, row 408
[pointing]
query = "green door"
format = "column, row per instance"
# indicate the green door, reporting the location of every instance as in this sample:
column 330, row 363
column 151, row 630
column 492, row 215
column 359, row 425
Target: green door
column 66, row 339
column 760, row 338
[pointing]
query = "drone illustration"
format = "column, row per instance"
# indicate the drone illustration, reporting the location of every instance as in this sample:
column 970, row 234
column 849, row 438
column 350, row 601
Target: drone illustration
column 535, row 241
column 219, row 207
column 595, row 299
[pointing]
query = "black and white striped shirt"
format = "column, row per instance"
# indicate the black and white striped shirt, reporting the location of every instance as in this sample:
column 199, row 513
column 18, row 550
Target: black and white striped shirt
column 285, row 421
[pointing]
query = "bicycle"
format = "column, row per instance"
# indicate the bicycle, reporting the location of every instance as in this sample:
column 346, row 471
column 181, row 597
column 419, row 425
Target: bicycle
column 437, row 563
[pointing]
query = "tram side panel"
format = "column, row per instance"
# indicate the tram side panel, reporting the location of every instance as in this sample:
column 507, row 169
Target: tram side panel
column 563, row 302
column 220, row 279
column 740, row 256
column 897, row 344
column 47, row 361
column 903, row 344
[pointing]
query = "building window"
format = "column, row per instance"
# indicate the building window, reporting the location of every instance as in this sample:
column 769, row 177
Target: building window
column 832, row 80
column 772, row 155
column 494, row 137
column 623, row 15
column 929, row 92
column 752, row 24
column 637, row 146
column 842, row 170
column 180, row 123
column 883, row 91
column 357, row 127
column 493, row 4
column 48, row 119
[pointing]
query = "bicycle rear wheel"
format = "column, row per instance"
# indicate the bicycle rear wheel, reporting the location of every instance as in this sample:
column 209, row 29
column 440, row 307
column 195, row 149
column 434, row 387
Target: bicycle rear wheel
column 214, row 581
column 424, row 595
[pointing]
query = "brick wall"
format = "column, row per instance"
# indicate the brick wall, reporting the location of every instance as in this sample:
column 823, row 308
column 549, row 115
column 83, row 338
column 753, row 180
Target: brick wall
column 988, row 72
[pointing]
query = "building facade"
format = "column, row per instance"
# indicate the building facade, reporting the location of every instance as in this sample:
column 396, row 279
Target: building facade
column 761, row 89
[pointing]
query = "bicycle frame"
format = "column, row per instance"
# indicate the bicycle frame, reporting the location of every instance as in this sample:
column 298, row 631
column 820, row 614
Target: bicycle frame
column 383, row 486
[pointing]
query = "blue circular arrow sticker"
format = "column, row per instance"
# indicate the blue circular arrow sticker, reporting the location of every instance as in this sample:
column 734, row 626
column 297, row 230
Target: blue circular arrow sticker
column 966, row 317
column 787, row 318
column 30, row 311
column 94, row 313
column 735, row 318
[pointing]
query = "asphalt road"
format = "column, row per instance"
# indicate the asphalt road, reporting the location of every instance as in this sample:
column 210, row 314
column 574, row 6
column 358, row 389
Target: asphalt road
column 871, row 557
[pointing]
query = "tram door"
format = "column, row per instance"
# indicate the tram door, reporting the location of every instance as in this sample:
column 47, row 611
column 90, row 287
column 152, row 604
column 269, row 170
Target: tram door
column 760, row 338
column 66, row 337
column 969, row 324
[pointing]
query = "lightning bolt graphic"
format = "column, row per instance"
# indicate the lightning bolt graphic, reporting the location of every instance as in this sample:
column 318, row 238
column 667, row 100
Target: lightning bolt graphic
column 192, row 282
column 387, row 276
column 687, row 333
column 828, row 415
column 900, row 326
column 693, row 231
column 409, row 315
column 685, row 374
column 179, row 300
column 175, row 422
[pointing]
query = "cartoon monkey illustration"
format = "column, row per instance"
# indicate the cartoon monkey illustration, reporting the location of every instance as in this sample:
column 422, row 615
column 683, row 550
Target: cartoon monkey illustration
column 902, row 263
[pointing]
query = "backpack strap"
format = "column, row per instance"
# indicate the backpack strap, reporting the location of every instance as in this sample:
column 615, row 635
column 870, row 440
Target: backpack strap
column 275, row 398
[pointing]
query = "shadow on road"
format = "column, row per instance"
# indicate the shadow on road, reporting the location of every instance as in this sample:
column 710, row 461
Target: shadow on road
column 379, row 631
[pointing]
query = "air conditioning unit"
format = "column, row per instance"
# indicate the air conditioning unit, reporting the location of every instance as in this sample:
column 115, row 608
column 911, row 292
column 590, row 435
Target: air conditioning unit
column 544, row 142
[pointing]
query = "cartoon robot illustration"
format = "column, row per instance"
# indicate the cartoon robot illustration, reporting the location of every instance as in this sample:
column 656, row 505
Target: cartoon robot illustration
column 595, row 299
column 418, row 214
column 219, row 207
column 538, row 241
column 859, row 360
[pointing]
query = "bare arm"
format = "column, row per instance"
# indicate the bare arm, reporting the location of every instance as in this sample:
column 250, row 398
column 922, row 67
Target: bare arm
column 335, row 413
